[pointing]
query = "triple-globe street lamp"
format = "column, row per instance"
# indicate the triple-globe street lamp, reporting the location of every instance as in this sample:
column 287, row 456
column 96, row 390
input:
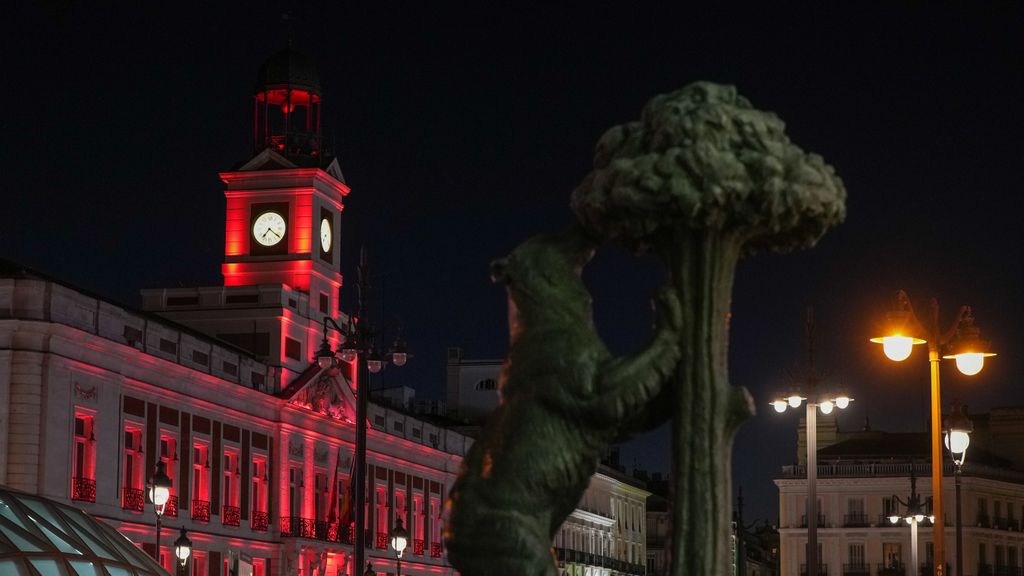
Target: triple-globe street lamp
column 914, row 515
column 962, row 343
column 958, row 437
column 357, row 346
column 820, row 401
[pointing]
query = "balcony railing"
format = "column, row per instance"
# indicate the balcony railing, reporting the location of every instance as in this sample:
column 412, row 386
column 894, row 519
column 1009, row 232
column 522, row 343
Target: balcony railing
column 928, row 569
column 231, row 516
column 892, row 569
column 590, row 559
column 417, row 547
column 83, row 489
column 855, row 520
column 986, row 570
column 201, row 511
column 133, row 499
column 435, row 549
column 895, row 469
column 382, row 540
column 1005, row 523
column 821, row 521
column 822, row 569
column 857, row 569
column 297, row 527
column 984, row 521
column 260, row 521
column 171, row 507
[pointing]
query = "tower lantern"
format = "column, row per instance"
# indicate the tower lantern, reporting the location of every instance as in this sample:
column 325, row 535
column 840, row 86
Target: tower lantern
column 287, row 108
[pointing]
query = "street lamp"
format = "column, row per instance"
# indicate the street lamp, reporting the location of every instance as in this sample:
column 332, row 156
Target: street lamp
column 159, row 493
column 964, row 345
column 958, row 438
column 825, row 403
column 914, row 516
column 399, row 539
column 357, row 346
column 182, row 549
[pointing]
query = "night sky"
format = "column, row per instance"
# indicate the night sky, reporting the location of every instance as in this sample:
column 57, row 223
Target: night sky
column 463, row 133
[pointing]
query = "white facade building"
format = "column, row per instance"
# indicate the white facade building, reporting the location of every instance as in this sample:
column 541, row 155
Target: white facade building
column 860, row 473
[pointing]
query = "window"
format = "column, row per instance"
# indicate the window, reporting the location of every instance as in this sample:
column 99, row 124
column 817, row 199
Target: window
column 417, row 522
column 321, row 500
column 857, row 555
column 292, row 349
column 169, row 456
column 259, row 483
column 382, row 513
column 1011, row 556
column 83, row 481
column 133, row 461
column 982, row 554
column 232, row 477
column 435, row 520
column 295, row 486
column 168, row 346
column 891, row 554
column 200, row 482
column 132, row 334
column 487, row 384
column 399, row 426
column 200, row 357
column 325, row 304
column 230, row 368
column 1000, row 556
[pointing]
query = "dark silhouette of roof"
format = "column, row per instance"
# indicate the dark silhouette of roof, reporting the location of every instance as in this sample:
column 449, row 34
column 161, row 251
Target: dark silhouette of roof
column 288, row 68
column 874, row 445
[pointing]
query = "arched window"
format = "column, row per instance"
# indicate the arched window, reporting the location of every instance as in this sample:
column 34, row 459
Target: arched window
column 487, row 384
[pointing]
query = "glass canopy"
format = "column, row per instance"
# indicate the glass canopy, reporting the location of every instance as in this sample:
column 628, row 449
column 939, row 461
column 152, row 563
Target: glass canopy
column 40, row 537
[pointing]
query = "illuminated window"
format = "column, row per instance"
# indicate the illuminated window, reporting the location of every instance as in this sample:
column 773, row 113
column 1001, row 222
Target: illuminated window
column 133, row 457
column 83, row 481
column 320, row 498
column 232, row 479
column 295, row 486
column 201, row 482
column 259, row 483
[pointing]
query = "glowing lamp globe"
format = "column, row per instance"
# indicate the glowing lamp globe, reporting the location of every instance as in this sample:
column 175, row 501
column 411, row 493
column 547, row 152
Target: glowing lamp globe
column 917, row 518
column 794, row 401
column 894, row 519
column 957, row 441
column 779, row 405
column 842, row 402
column 897, row 347
column 826, row 407
column 970, row 364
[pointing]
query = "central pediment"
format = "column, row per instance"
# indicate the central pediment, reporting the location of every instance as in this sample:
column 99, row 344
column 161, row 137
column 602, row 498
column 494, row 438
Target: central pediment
column 326, row 392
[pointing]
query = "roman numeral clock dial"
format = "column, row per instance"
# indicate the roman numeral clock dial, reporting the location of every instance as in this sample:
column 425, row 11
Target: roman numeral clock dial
column 269, row 228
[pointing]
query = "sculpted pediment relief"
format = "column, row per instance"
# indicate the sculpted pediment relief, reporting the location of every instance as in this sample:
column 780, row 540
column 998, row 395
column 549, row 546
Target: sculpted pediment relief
column 326, row 392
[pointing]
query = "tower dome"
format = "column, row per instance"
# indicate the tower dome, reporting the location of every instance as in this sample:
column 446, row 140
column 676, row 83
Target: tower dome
column 287, row 108
column 288, row 68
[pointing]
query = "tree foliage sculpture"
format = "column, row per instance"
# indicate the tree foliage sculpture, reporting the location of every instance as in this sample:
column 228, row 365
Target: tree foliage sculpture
column 702, row 179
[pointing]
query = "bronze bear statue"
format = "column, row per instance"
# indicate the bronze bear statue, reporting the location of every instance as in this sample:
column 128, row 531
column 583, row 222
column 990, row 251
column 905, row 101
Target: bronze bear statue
column 563, row 399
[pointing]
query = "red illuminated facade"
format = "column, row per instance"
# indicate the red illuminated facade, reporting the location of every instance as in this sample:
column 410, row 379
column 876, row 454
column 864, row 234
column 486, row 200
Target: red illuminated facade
column 218, row 383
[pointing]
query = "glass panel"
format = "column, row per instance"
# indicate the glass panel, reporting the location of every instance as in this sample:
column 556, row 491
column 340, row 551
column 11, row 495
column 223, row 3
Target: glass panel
column 58, row 541
column 19, row 542
column 41, row 509
column 84, row 568
column 12, row 568
column 7, row 512
column 46, row 567
column 97, row 548
column 118, row 571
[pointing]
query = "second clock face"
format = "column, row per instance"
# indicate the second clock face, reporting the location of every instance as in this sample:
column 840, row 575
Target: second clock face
column 325, row 235
column 269, row 228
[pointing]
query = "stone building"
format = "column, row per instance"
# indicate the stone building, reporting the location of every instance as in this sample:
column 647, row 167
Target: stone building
column 861, row 472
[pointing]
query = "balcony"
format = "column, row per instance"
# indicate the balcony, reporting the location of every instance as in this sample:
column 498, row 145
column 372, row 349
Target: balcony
column 382, row 540
column 417, row 547
column 260, row 521
column 435, row 549
column 201, row 511
column 857, row 569
column 133, row 499
column 297, row 527
column 983, row 521
column 587, row 558
column 929, row 569
column 892, row 569
column 822, row 569
column 856, row 520
column 171, row 508
column 83, row 489
column 231, row 516
column 821, row 521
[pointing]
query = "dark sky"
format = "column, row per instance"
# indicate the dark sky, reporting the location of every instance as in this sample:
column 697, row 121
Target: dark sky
column 462, row 133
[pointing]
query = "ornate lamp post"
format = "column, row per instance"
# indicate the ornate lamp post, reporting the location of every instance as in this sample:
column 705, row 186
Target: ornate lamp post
column 826, row 404
column 958, row 438
column 399, row 539
column 357, row 346
column 159, row 493
column 962, row 343
column 182, row 550
column 914, row 516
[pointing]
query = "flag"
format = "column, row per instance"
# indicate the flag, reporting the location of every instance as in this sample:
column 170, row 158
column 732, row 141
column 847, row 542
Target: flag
column 348, row 497
column 332, row 508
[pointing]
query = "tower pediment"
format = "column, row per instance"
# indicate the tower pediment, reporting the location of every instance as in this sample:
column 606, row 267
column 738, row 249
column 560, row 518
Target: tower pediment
column 267, row 160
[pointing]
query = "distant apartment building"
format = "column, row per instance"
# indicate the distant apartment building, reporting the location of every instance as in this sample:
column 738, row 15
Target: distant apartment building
column 860, row 473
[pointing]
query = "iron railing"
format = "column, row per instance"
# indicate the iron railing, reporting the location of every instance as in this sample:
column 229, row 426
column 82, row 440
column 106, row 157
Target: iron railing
column 231, row 516
column 83, row 489
column 891, row 569
column 435, row 549
column 417, row 547
column 171, row 507
column 590, row 559
column 822, row 569
column 857, row 569
column 260, row 521
column 382, row 540
column 201, row 511
column 133, row 499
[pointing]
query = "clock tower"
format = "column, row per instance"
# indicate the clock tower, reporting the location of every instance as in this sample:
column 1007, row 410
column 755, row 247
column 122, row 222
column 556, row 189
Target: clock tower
column 282, row 250
column 284, row 204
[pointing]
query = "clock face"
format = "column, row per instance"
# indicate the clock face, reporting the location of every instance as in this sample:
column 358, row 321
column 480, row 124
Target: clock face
column 325, row 235
column 269, row 228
